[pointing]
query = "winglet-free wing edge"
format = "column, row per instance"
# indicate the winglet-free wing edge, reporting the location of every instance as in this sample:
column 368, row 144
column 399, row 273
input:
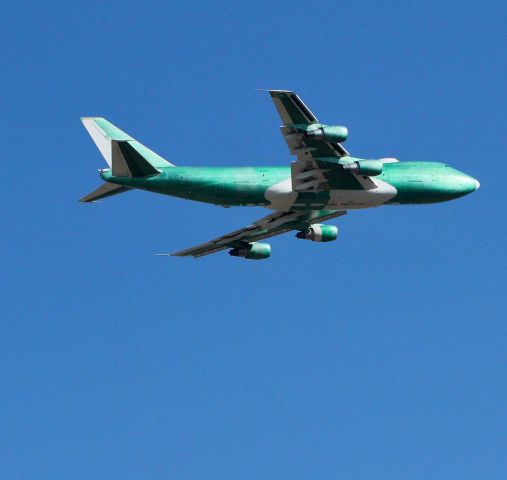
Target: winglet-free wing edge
column 269, row 226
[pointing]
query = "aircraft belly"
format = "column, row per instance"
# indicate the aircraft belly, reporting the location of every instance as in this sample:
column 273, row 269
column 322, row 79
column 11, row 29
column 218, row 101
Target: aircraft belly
column 373, row 197
column 282, row 197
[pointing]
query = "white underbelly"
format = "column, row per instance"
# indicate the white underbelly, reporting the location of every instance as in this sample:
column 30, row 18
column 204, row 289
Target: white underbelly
column 282, row 197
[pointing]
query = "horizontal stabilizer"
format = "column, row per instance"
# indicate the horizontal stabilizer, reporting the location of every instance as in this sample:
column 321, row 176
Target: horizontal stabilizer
column 104, row 191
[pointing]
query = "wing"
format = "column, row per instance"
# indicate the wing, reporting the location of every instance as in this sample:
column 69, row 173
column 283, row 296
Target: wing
column 318, row 164
column 274, row 224
column 294, row 113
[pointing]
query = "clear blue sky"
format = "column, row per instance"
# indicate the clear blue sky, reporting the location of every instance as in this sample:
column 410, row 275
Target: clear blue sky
column 381, row 356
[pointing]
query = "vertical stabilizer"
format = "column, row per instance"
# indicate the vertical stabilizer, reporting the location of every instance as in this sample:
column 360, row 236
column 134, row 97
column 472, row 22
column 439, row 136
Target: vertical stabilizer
column 107, row 137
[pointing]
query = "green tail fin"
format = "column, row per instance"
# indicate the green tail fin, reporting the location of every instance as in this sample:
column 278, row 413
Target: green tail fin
column 125, row 156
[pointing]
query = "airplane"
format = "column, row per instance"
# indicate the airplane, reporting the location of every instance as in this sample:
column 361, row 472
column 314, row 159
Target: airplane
column 324, row 182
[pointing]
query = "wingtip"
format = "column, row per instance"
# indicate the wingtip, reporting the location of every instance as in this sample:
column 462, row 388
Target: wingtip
column 87, row 119
column 272, row 91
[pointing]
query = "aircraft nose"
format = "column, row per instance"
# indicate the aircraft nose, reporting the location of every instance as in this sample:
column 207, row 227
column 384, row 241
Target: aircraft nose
column 469, row 184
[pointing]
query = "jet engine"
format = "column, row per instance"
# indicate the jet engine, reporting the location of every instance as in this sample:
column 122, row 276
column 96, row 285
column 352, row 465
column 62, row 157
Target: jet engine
column 319, row 233
column 328, row 133
column 368, row 168
column 252, row 251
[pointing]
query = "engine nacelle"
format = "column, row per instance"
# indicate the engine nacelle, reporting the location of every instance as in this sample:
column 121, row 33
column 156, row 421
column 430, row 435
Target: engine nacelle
column 329, row 133
column 368, row 168
column 253, row 251
column 319, row 233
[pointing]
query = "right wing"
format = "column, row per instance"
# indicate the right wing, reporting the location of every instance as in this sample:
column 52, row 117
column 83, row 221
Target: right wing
column 319, row 163
column 273, row 224
column 294, row 113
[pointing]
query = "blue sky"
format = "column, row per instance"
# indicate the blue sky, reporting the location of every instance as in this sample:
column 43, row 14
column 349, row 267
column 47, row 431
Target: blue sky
column 382, row 355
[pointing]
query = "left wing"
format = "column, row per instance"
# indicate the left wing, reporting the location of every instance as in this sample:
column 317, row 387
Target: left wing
column 273, row 224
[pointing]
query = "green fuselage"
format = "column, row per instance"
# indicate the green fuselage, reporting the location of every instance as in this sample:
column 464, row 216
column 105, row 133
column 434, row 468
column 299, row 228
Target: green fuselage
column 415, row 183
